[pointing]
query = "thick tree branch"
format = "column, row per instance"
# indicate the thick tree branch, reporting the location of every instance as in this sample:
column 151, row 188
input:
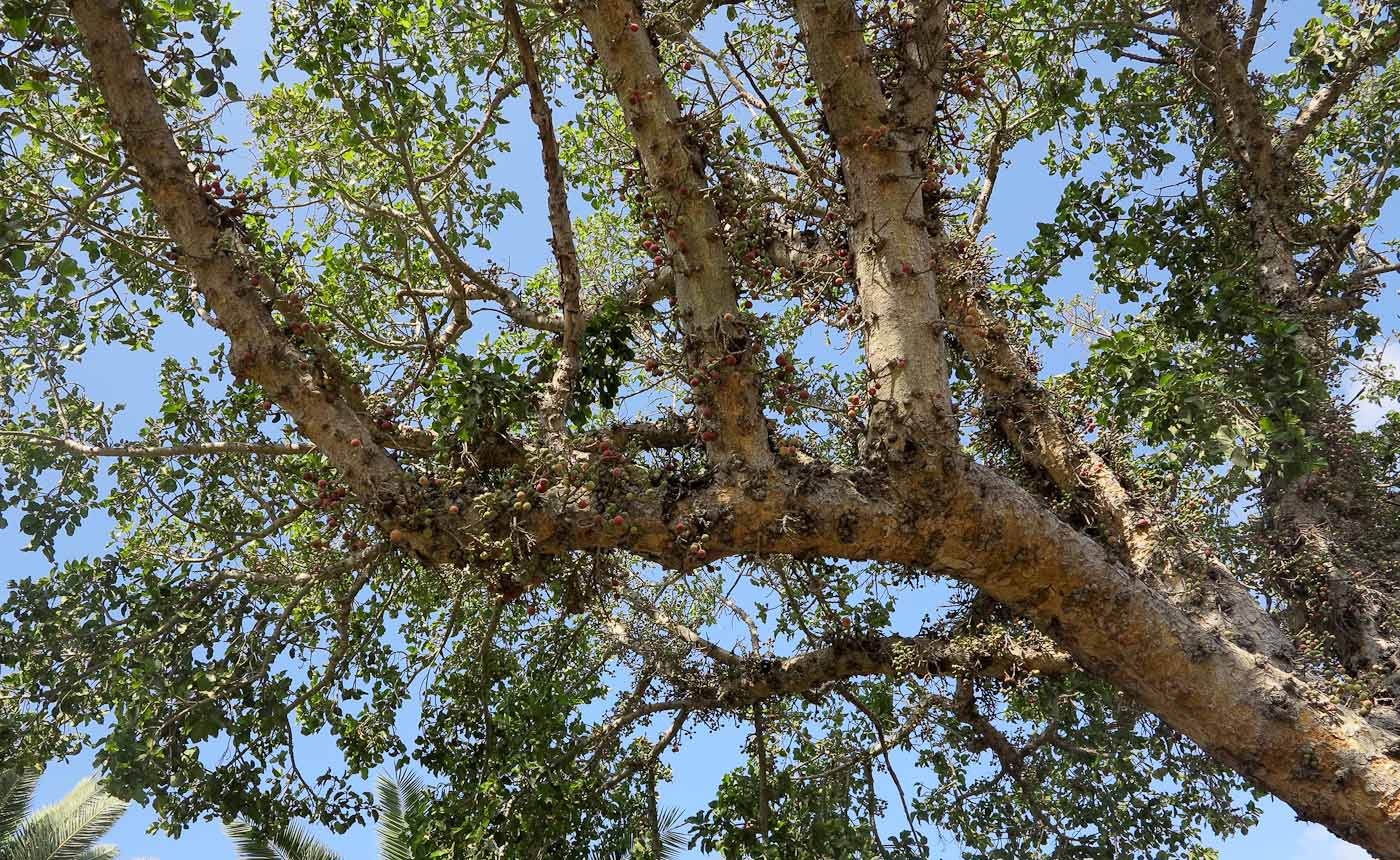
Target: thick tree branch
column 298, row 376
column 888, row 237
column 719, row 345
column 1263, row 165
column 1317, row 537
column 892, row 657
column 967, row 521
column 925, row 60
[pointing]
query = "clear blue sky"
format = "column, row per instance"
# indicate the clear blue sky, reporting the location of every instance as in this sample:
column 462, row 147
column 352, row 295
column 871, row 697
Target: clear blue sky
column 1025, row 195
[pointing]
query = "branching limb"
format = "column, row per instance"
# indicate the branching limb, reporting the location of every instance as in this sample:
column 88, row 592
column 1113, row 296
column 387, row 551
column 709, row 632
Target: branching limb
column 888, row 238
column 649, row 761
column 160, row 452
column 719, row 347
column 1379, row 49
column 299, row 376
column 561, row 387
column 893, row 656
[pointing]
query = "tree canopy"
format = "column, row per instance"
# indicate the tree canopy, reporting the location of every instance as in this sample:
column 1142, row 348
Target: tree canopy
column 766, row 442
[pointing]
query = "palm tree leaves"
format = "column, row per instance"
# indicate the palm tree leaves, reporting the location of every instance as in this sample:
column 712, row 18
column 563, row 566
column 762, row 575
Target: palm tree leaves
column 671, row 825
column 400, row 801
column 289, row 842
column 401, row 804
column 67, row 830
column 16, row 794
column 674, row 836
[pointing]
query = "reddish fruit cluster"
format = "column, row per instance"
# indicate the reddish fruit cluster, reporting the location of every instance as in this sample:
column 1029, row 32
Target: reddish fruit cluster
column 330, row 497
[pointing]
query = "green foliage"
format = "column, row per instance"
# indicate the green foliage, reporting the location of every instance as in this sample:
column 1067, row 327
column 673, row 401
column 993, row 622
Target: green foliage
column 468, row 395
column 1151, row 798
column 606, row 350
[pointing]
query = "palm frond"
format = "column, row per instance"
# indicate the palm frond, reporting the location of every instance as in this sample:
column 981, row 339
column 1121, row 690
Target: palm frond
column 67, row 829
column 16, row 794
column 398, row 800
column 101, row 852
column 675, row 833
column 246, row 845
column 289, row 842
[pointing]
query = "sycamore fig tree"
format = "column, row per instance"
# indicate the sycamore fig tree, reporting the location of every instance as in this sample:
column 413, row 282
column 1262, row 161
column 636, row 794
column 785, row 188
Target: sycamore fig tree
column 763, row 445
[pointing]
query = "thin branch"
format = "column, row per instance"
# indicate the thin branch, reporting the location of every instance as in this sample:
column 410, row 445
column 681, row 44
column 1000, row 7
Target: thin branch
column 1251, row 28
column 156, row 452
column 561, row 387
column 793, row 145
column 760, row 740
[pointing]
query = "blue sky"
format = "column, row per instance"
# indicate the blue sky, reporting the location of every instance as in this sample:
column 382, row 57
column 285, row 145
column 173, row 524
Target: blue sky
column 1025, row 193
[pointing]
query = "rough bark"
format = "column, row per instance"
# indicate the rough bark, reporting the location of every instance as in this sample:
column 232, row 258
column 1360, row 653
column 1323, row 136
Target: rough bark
column 719, row 347
column 300, row 377
column 888, row 237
